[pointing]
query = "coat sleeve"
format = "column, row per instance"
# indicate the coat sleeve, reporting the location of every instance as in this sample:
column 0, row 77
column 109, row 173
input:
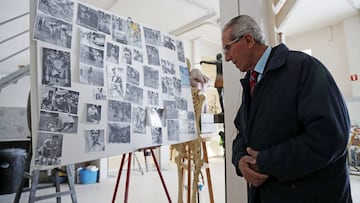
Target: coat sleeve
column 238, row 148
column 323, row 115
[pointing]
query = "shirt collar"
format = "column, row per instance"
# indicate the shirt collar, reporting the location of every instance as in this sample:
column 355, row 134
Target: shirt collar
column 260, row 65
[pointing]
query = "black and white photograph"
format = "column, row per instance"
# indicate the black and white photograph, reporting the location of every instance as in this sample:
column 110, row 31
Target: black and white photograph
column 134, row 94
column 138, row 56
column 58, row 122
column 180, row 51
column 151, row 77
column 167, row 87
column 177, row 86
column 173, row 130
column 181, row 103
column 168, row 67
column 116, row 82
column 104, row 22
column 87, row 17
column 169, row 42
column 53, row 31
column 119, row 133
column 138, row 120
column 63, row 9
column 126, row 56
column 134, row 34
column 99, row 93
column 48, row 149
column 91, row 56
column 92, row 38
column 155, row 117
column 56, row 68
column 156, row 135
column 119, row 111
column 132, row 75
column 184, row 75
column 170, row 109
column 93, row 113
column 60, row 100
column 112, row 53
column 152, row 36
column 153, row 55
column 152, row 98
column 119, row 29
column 95, row 140
column 91, row 75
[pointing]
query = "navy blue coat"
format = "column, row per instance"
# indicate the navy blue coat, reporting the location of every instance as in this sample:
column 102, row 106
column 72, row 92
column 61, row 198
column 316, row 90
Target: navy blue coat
column 299, row 122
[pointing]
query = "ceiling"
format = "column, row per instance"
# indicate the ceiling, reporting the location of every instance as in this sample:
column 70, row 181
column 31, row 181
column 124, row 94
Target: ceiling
column 187, row 19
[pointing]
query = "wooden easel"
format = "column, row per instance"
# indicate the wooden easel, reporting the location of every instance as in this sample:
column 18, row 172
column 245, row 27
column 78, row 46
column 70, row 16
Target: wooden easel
column 34, row 178
column 128, row 175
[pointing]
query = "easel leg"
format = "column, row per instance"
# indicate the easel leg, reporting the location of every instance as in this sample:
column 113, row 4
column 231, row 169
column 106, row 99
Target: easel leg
column 70, row 170
column 57, row 185
column 34, row 182
column 189, row 176
column 127, row 178
column 138, row 162
column 206, row 159
column 161, row 177
column 118, row 178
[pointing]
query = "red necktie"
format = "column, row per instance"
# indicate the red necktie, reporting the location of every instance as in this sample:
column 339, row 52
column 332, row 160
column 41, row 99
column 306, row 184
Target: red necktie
column 253, row 80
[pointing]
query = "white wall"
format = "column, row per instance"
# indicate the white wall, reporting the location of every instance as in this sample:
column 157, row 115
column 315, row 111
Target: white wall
column 16, row 95
column 327, row 44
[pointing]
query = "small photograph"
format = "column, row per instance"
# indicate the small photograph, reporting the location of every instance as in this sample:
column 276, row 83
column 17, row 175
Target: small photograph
column 134, row 94
column 91, row 56
column 119, row 111
column 112, row 53
column 48, row 149
column 53, row 31
column 134, row 34
column 167, row 86
column 59, row 9
column 56, row 68
column 93, row 114
column 91, row 38
column 99, row 93
column 168, row 67
column 180, row 51
column 154, row 117
column 138, row 120
column 184, row 75
column 87, row 17
column 181, row 103
column 152, row 55
column 156, row 135
column 177, row 86
column 169, row 42
column 58, row 122
column 191, row 127
column 119, row 30
column 91, row 76
column 138, row 56
column 173, row 130
column 152, row 98
column 95, row 140
column 60, row 100
column 152, row 36
column 132, row 76
column 119, row 133
column 104, row 22
column 191, row 115
column 151, row 77
column 170, row 109
column 126, row 56
column 116, row 82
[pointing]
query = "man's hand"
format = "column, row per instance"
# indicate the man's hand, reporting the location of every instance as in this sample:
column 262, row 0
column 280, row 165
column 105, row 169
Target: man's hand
column 247, row 166
column 253, row 154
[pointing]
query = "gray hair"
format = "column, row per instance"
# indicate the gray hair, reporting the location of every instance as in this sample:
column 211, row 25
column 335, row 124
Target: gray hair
column 244, row 24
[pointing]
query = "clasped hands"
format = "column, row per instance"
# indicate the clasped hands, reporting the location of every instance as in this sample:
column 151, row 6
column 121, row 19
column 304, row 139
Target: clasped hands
column 249, row 168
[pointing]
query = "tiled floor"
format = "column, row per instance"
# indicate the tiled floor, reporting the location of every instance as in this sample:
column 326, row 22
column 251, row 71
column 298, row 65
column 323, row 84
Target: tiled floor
column 148, row 188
